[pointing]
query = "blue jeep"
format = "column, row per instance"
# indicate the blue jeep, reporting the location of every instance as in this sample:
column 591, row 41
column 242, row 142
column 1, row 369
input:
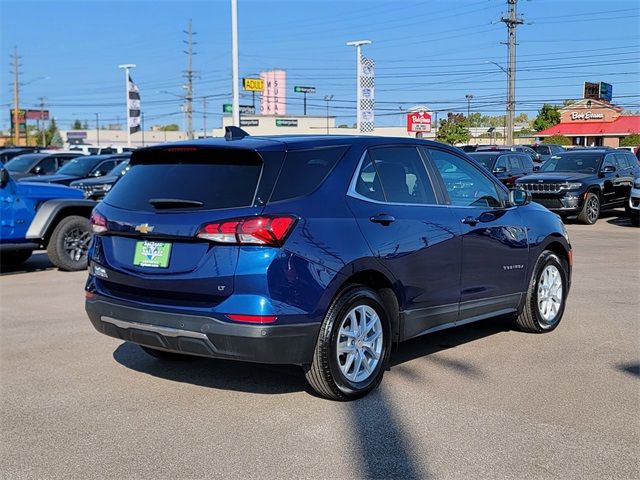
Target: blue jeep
column 321, row 251
column 38, row 215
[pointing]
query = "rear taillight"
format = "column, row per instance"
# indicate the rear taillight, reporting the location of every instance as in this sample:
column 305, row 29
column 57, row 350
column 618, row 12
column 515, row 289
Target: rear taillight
column 98, row 222
column 262, row 230
column 236, row 317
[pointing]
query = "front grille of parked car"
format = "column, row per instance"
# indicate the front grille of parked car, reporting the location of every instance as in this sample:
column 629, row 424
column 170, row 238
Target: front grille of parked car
column 541, row 187
column 549, row 202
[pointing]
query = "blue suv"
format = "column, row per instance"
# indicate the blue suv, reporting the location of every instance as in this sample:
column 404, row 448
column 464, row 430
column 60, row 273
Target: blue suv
column 320, row 251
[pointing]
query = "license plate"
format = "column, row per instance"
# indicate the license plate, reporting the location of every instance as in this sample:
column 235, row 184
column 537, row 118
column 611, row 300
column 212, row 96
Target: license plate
column 152, row 254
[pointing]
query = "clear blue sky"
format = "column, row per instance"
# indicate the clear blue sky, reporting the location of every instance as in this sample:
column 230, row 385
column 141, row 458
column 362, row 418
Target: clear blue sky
column 426, row 52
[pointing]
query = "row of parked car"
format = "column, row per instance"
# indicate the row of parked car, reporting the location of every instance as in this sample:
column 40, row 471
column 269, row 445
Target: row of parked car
column 578, row 182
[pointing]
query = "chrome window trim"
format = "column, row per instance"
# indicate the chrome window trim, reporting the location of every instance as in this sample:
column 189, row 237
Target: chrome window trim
column 351, row 192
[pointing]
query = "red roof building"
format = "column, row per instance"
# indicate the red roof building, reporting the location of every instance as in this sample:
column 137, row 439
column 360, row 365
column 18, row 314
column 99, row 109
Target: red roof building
column 594, row 123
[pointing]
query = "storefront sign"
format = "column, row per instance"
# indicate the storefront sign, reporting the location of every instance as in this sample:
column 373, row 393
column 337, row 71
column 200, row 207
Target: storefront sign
column 249, row 122
column 419, row 122
column 253, row 84
column 286, row 122
column 587, row 116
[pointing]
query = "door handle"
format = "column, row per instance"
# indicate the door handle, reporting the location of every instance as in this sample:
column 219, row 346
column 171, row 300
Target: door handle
column 383, row 219
column 470, row 221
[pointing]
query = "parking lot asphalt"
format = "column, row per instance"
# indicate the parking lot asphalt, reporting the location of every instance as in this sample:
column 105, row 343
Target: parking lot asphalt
column 479, row 401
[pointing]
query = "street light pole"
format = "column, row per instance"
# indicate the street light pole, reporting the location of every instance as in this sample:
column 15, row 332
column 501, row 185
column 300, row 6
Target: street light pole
column 328, row 98
column 358, row 44
column 469, row 97
column 98, row 129
column 126, row 67
column 234, row 64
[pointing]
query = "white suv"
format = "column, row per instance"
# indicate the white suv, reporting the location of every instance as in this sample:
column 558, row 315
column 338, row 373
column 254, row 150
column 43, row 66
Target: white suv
column 634, row 203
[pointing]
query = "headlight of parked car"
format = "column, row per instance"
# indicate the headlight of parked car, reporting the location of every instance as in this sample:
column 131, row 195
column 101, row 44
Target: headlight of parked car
column 570, row 186
column 636, row 183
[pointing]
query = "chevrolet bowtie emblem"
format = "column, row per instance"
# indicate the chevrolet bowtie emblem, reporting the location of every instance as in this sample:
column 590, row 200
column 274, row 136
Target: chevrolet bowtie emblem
column 144, row 228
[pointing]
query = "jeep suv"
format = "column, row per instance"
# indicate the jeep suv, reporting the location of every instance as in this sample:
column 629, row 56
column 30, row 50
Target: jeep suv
column 320, row 251
column 583, row 182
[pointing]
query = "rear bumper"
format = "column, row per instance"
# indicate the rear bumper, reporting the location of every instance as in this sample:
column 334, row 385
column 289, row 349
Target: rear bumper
column 203, row 335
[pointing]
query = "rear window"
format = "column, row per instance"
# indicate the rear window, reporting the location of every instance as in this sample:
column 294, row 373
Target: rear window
column 207, row 180
column 304, row 170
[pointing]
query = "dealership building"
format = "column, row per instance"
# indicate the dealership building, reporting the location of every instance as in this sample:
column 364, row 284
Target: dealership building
column 594, row 122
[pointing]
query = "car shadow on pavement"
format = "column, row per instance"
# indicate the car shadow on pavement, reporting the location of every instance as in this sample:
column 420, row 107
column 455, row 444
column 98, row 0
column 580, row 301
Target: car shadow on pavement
column 37, row 262
column 631, row 368
column 278, row 379
column 621, row 222
column 215, row 373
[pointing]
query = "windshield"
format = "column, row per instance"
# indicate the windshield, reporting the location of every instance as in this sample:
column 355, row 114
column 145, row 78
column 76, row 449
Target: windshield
column 541, row 149
column 118, row 169
column 78, row 167
column 583, row 163
column 486, row 161
column 21, row 163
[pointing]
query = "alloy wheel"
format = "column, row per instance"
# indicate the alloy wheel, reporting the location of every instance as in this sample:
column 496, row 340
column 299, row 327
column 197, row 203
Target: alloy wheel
column 359, row 343
column 76, row 243
column 549, row 294
column 593, row 209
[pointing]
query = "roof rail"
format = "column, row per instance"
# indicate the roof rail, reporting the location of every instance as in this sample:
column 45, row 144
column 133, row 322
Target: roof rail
column 234, row 133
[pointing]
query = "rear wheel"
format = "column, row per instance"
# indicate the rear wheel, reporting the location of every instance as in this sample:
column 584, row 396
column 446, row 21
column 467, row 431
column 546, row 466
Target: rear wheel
column 69, row 243
column 590, row 210
column 546, row 296
column 162, row 354
column 352, row 348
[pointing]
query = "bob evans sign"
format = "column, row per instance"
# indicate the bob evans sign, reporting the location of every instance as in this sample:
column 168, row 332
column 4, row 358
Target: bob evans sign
column 588, row 115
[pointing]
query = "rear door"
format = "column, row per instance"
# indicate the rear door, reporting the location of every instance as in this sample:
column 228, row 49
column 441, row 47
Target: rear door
column 494, row 238
column 154, row 213
column 625, row 176
column 397, row 209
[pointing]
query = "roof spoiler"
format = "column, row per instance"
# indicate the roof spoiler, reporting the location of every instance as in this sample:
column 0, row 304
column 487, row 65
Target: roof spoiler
column 234, row 133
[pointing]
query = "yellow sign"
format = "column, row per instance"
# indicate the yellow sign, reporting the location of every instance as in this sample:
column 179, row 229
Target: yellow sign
column 253, row 84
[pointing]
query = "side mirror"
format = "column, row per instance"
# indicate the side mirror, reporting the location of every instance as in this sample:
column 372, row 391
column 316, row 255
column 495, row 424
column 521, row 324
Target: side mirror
column 4, row 177
column 98, row 173
column 538, row 157
column 518, row 197
column 37, row 170
column 608, row 169
column 499, row 169
column 536, row 168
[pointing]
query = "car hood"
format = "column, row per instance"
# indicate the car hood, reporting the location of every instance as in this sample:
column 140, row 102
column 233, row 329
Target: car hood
column 46, row 190
column 19, row 175
column 90, row 182
column 556, row 177
column 55, row 178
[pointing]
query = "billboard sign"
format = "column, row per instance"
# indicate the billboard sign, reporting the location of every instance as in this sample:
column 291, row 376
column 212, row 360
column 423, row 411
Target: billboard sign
column 244, row 109
column 598, row 91
column 249, row 122
column 273, row 98
column 419, row 122
column 37, row 114
column 299, row 89
column 606, row 91
column 253, row 84
column 286, row 122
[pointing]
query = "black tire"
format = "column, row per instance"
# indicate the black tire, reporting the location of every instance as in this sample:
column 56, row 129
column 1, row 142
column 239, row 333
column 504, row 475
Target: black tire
column 531, row 318
column 590, row 210
column 324, row 373
column 15, row 259
column 634, row 218
column 69, row 242
column 163, row 355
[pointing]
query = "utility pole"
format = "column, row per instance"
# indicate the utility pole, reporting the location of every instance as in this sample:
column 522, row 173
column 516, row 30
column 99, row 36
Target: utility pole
column 44, row 140
column 512, row 21
column 358, row 44
column 235, row 94
column 328, row 98
column 204, row 116
column 98, row 129
column 189, row 74
column 469, row 97
column 16, row 95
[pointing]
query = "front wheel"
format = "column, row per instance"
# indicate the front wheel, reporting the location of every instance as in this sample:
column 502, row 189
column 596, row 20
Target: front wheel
column 352, row 348
column 590, row 210
column 546, row 296
column 69, row 243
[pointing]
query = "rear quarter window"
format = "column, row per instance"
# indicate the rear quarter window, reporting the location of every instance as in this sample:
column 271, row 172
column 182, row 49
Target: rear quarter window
column 304, row 170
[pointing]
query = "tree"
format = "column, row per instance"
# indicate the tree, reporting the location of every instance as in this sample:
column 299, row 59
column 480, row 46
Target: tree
column 475, row 119
column 632, row 140
column 76, row 125
column 52, row 134
column 85, row 125
column 454, row 129
column 557, row 140
column 548, row 116
column 172, row 127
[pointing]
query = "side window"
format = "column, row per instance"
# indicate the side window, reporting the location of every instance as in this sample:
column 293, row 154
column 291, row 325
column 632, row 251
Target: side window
column 105, row 167
column 621, row 161
column 402, row 175
column 48, row 165
column 527, row 163
column 368, row 183
column 466, row 185
column 62, row 161
column 515, row 163
column 304, row 170
column 502, row 162
column 609, row 161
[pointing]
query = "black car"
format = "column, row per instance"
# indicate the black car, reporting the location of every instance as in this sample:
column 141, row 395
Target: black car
column 8, row 153
column 583, row 182
column 547, row 150
column 97, row 188
column 535, row 157
column 82, row 167
column 31, row 164
column 506, row 165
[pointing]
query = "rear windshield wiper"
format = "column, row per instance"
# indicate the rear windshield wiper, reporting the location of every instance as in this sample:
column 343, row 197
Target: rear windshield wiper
column 174, row 203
